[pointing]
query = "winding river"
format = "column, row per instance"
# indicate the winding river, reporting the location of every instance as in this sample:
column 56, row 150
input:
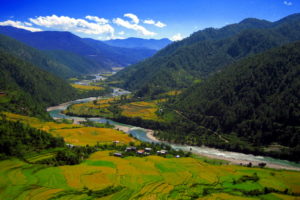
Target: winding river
column 141, row 134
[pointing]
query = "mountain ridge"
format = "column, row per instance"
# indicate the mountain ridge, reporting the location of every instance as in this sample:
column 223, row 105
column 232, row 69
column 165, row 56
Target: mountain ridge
column 206, row 52
column 66, row 41
column 252, row 104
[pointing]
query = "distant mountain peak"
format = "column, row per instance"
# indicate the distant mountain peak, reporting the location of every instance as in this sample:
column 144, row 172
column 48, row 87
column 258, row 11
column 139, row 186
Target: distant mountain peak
column 254, row 20
column 133, row 42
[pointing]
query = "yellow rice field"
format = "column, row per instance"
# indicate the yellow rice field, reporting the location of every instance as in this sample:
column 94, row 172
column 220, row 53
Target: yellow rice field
column 142, row 109
column 73, row 133
column 90, row 135
column 86, row 87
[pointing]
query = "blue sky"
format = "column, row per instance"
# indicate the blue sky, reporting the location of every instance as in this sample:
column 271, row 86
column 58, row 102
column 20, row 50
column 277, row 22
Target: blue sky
column 106, row 19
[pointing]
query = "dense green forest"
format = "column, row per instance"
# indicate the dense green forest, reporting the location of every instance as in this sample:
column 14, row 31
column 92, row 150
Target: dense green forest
column 205, row 52
column 27, row 89
column 248, row 107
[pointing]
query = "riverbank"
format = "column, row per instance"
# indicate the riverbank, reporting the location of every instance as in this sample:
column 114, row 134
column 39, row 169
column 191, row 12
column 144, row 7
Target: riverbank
column 150, row 135
column 233, row 161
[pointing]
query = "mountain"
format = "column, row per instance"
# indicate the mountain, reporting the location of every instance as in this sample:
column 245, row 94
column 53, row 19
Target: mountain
column 139, row 43
column 252, row 106
column 27, row 89
column 102, row 57
column 45, row 60
column 205, row 52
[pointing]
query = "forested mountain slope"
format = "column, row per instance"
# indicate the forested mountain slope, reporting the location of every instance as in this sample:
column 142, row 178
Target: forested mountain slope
column 36, row 57
column 102, row 57
column 255, row 101
column 206, row 52
column 27, row 89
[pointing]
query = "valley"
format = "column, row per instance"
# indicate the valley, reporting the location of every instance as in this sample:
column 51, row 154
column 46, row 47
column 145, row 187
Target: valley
column 83, row 110
column 130, row 106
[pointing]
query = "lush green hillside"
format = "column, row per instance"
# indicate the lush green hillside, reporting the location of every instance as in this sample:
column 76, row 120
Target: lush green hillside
column 28, row 89
column 250, row 106
column 206, row 52
column 79, row 65
column 36, row 57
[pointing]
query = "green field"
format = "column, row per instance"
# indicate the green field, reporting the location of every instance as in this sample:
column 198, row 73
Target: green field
column 150, row 177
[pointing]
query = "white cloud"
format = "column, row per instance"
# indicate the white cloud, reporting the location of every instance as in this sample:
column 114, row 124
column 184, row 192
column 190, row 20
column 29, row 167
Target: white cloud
column 288, row 3
column 97, row 19
column 66, row 23
column 18, row 24
column 133, row 17
column 121, row 33
column 89, row 25
column 135, row 27
column 114, row 38
column 158, row 23
column 28, row 24
column 149, row 21
column 176, row 37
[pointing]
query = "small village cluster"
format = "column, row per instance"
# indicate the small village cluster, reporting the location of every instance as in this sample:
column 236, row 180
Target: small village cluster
column 147, row 151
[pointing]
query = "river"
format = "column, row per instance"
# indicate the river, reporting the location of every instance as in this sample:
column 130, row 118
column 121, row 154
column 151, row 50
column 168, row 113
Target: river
column 141, row 134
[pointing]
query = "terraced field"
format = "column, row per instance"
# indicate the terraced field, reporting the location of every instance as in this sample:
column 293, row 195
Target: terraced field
column 102, row 176
column 147, row 110
column 150, row 177
column 74, row 134
column 86, row 87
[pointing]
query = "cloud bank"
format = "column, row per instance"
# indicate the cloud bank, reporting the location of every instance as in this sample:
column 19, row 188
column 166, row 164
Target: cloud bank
column 74, row 25
column 89, row 25
column 22, row 25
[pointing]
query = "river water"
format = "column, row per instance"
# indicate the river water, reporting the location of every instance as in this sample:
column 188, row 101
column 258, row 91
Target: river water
column 141, row 134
